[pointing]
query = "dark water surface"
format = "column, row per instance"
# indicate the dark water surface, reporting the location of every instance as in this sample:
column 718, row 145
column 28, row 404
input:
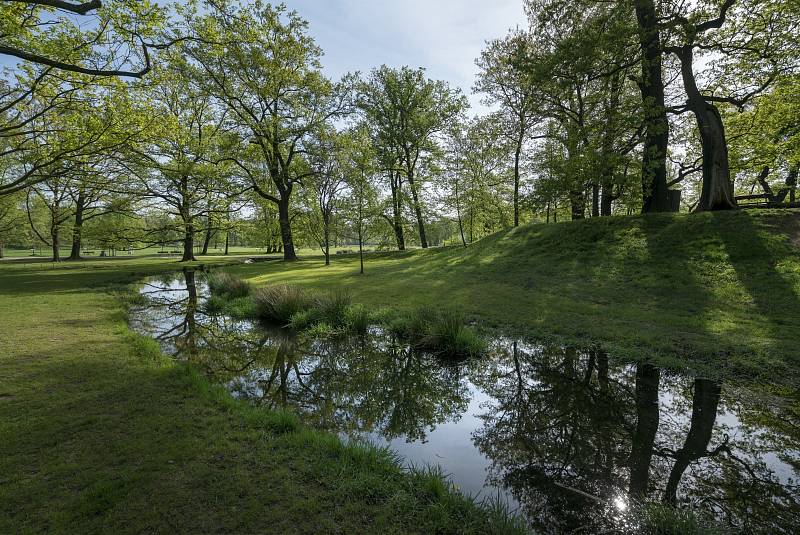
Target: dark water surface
column 570, row 438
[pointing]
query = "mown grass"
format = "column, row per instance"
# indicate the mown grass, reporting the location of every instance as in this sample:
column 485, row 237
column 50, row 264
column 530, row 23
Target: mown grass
column 101, row 433
column 717, row 292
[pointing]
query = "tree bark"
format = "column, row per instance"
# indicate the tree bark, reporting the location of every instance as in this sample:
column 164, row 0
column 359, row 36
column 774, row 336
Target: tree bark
column 717, row 192
column 418, row 212
column 595, row 200
column 397, row 211
column 517, row 155
column 188, row 243
column 56, row 243
column 578, row 205
column 77, row 228
column 791, row 182
column 327, row 237
column 655, row 197
column 207, row 238
column 606, row 200
column 286, row 229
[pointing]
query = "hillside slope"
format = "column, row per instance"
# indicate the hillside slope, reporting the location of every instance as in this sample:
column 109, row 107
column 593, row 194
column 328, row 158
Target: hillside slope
column 720, row 291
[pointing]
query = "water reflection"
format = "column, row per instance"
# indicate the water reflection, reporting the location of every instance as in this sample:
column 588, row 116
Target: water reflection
column 568, row 436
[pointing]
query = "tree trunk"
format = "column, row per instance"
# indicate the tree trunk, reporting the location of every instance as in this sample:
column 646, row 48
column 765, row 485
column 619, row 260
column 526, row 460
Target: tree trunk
column 705, row 402
column 655, row 197
column 397, row 211
column 56, row 243
column 647, row 381
column 595, row 200
column 227, row 241
column 418, row 212
column 77, row 229
column 791, row 182
column 188, row 243
column 578, row 205
column 2, row 250
column 286, row 229
column 517, row 155
column 327, row 237
column 606, row 200
column 207, row 239
column 717, row 192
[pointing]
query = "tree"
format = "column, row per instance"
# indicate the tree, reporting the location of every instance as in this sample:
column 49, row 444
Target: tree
column 579, row 64
column 263, row 68
column 475, row 178
column 360, row 166
column 766, row 136
column 11, row 219
column 750, row 40
column 655, row 194
column 508, row 87
column 408, row 113
column 326, row 184
column 93, row 38
column 177, row 164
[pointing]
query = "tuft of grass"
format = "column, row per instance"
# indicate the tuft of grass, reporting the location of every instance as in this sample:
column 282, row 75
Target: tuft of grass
column 333, row 306
column 330, row 314
column 278, row 304
column 443, row 332
column 357, row 319
column 222, row 283
column 215, row 304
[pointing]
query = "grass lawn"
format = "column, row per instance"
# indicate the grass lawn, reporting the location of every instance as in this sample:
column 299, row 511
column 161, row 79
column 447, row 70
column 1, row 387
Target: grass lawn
column 717, row 291
column 99, row 433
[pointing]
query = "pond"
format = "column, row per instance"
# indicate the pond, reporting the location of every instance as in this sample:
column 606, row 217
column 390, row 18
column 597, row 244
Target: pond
column 569, row 438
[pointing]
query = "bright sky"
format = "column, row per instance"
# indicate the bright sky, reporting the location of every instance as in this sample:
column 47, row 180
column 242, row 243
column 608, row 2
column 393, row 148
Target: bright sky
column 444, row 36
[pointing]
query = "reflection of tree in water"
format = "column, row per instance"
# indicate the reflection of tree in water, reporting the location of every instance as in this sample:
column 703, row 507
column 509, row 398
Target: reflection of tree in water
column 359, row 384
column 554, row 426
column 363, row 384
column 569, row 437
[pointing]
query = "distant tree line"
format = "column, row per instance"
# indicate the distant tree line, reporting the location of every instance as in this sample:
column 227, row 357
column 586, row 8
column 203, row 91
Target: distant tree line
column 131, row 125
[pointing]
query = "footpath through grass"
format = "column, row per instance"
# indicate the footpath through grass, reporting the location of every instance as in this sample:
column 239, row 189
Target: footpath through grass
column 719, row 291
column 101, row 434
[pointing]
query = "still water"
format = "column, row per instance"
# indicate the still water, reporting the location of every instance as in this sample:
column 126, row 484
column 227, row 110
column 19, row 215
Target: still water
column 569, row 438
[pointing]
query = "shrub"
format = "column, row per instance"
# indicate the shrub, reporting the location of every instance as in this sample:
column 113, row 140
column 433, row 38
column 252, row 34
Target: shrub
column 226, row 284
column 279, row 303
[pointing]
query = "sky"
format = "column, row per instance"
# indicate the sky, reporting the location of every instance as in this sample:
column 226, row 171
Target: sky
column 444, row 36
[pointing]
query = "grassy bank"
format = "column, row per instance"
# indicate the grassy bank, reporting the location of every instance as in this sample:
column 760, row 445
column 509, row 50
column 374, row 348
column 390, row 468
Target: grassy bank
column 717, row 291
column 100, row 434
